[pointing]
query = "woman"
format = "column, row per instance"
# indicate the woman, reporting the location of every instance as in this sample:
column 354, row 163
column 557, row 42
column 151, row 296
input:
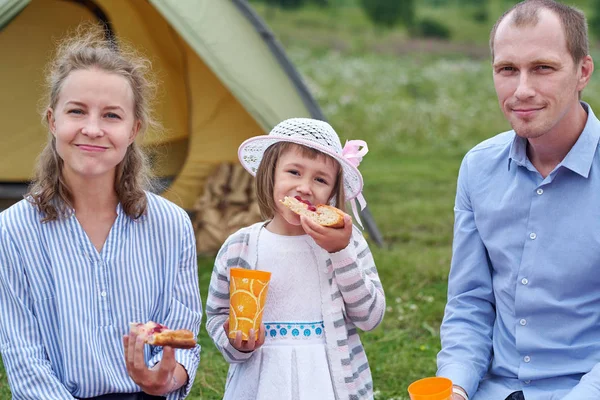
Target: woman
column 89, row 250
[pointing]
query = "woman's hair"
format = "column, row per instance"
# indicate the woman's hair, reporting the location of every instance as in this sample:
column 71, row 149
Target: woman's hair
column 89, row 47
column 265, row 176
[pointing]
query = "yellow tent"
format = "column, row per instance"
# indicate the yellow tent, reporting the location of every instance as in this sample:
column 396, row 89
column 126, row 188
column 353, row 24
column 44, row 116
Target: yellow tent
column 223, row 78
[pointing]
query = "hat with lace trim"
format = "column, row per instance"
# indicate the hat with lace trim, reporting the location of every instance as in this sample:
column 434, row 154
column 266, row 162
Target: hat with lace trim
column 320, row 136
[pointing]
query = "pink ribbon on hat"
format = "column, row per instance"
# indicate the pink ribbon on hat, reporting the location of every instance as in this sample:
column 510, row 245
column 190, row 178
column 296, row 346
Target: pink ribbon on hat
column 353, row 152
column 363, row 203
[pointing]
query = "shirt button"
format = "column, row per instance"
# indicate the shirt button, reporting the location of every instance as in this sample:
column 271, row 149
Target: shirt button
column 523, row 322
column 532, row 236
column 103, row 294
column 540, row 191
column 526, row 359
column 524, row 281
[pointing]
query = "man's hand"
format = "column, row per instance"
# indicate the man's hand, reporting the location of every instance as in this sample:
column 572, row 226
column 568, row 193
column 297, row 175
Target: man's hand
column 330, row 239
column 456, row 396
column 249, row 345
column 159, row 380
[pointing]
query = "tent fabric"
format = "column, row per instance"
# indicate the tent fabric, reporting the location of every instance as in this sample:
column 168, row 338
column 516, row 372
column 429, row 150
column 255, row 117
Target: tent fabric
column 25, row 45
column 282, row 58
column 231, row 46
column 219, row 82
column 10, row 8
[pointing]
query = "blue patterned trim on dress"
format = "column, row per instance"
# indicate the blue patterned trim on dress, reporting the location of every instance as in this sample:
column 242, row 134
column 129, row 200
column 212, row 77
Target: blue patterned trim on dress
column 294, row 330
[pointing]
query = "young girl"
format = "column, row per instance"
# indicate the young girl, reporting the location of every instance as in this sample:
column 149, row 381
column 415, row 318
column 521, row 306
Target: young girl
column 89, row 250
column 324, row 283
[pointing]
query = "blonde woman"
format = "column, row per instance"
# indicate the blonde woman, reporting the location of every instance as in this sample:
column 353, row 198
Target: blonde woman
column 89, row 250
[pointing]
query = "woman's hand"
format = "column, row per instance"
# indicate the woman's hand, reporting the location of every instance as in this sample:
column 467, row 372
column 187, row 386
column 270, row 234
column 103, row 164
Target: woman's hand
column 163, row 378
column 330, row 239
column 249, row 345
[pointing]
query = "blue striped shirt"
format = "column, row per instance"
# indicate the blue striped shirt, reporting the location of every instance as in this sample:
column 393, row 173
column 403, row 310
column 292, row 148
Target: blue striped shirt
column 65, row 306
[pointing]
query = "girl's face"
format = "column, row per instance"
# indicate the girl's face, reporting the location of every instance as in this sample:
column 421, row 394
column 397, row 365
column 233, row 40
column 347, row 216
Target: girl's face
column 93, row 123
column 298, row 175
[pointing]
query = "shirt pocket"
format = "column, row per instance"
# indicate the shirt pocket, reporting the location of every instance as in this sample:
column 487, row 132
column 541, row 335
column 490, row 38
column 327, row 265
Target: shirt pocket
column 46, row 312
column 41, row 282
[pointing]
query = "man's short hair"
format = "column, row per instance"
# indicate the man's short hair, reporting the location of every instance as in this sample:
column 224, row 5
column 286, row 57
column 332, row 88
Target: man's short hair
column 573, row 21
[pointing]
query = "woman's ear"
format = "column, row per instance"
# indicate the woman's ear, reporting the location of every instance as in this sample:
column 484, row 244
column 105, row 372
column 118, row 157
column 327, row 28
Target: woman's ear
column 50, row 120
column 134, row 131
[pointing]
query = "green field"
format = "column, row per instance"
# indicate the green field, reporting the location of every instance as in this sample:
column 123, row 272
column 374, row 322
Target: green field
column 420, row 110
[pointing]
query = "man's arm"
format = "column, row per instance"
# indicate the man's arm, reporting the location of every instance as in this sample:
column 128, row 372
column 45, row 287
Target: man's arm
column 28, row 368
column 466, row 331
column 588, row 387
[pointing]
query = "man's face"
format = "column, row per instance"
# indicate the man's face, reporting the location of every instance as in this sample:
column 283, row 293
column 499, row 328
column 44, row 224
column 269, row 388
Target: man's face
column 536, row 79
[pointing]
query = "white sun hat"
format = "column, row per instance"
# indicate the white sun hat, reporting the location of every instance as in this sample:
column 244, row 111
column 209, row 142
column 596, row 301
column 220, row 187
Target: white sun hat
column 320, row 136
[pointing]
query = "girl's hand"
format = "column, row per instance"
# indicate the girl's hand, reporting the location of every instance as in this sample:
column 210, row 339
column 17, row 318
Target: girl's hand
column 246, row 346
column 156, row 381
column 330, row 239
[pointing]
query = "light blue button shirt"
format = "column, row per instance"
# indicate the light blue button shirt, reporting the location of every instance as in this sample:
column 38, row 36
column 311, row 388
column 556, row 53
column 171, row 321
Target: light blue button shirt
column 65, row 306
column 523, row 308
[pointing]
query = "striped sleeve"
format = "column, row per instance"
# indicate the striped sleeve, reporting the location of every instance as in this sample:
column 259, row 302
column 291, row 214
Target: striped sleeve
column 217, row 303
column 358, row 282
column 185, row 310
column 29, row 370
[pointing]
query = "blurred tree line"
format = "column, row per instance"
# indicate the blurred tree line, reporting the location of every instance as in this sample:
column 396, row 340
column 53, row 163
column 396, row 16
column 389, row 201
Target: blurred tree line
column 385, row 14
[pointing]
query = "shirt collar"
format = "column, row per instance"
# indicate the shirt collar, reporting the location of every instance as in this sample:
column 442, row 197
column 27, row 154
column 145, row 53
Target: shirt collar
column 518, row 151
column 579, row 159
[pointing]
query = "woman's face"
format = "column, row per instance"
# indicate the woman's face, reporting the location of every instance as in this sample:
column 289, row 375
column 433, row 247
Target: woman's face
column 93, row 123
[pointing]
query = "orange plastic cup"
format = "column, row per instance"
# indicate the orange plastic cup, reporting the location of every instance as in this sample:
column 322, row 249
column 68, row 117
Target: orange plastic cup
column 434, row 388
column 247, row 297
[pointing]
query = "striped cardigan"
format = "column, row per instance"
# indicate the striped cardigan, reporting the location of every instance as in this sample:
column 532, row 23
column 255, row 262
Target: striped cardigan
column 352, row 298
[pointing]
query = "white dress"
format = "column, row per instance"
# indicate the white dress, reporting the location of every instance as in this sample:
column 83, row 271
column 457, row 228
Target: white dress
column 292, row 363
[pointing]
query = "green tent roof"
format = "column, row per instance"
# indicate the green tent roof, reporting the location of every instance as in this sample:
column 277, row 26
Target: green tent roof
column 243, row 53
column 10, row 8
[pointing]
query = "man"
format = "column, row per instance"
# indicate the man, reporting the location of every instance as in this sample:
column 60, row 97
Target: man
column 523, row 314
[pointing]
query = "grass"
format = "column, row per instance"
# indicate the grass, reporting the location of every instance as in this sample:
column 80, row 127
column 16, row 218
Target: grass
column 419, row 113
